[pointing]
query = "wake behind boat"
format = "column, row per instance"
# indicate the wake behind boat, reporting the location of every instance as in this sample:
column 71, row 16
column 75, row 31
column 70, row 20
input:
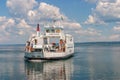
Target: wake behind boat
column 53, row 44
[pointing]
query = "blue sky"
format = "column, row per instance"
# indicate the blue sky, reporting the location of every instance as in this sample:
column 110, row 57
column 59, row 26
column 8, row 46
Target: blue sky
column 86, row 20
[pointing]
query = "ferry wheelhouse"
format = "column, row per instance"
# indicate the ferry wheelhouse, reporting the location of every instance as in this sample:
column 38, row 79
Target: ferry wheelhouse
column 53, row 44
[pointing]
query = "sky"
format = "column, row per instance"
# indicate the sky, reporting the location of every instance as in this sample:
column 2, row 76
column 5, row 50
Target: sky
column 86, row 20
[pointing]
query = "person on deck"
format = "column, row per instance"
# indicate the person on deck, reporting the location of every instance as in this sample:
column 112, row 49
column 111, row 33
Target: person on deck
column 62, row 45
column 31, row 46
column 27, row 46
column 35, row 41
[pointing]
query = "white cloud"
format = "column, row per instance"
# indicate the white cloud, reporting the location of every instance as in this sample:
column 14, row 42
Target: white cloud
column 23, row 24
column 116, row 28
column 2, row 18
column 42, row 13
column 25, row 17
column 4, row 23
column 19, row 8
column 49, row 10
column 10, row 28
column 27, row 13
column 95, row 1
column 94, row 19
column 111, row 9
column 89, row 32
column 115, row 37
column 48, row 14
column 31, row 13
column 11, row 31
column 72, row 25
column 90, row 20
column 21, row 32
column 106, row 11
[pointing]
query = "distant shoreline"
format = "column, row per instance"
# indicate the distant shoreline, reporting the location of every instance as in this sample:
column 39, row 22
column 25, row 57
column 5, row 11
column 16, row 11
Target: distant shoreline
column 109, row 42
column 99, row 42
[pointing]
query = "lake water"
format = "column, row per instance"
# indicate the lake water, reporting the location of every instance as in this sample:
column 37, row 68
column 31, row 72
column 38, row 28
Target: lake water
column 91, row 61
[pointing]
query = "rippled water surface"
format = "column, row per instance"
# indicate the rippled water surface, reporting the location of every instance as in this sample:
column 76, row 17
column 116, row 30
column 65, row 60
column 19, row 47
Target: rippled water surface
column 91, row 61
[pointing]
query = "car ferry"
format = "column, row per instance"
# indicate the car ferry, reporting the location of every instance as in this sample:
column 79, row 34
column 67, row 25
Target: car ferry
column 51, row 45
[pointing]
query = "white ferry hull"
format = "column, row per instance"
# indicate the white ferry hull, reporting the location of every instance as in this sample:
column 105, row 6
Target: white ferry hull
column 43, row 56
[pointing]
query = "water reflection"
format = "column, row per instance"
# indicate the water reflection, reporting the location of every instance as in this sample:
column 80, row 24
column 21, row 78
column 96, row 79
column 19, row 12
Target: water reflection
column 50, row 70
column 97, row 63
column 102, row 64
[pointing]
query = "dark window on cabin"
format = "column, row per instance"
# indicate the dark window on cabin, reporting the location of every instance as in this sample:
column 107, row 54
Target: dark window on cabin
column 52, row 30
column 47, row 31
column 45, row 41
column 38, row 50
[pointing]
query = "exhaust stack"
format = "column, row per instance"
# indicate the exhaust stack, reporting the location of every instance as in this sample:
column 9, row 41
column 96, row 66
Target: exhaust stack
column 38, row 30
